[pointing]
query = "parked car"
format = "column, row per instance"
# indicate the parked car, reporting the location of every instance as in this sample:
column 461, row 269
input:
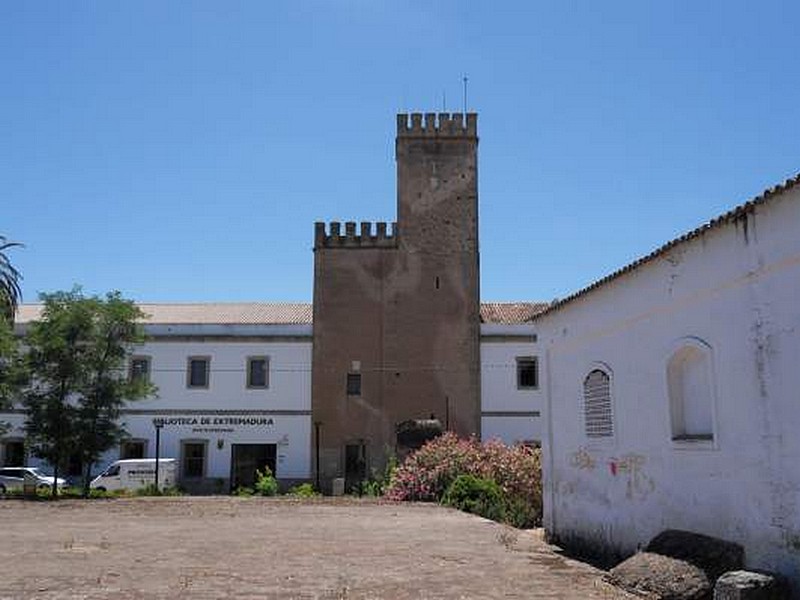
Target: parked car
column 135, row 473
column 13, row 478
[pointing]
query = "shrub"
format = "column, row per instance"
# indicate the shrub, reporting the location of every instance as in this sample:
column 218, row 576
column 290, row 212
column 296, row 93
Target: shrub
column 244, row 492
column 477, row 496
column 378, row 483
column 430, row 471
column 266, row 484
column 370, row 487
column 304, row 490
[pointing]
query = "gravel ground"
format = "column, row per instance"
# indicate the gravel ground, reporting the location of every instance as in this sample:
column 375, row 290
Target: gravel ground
column 221, row 547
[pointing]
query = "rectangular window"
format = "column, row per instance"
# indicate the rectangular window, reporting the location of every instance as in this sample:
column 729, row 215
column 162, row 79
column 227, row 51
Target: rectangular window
column 140, row 369
column 132, row 449
column 527, row 373
column 194, row 459
column 14, row 455
column 354, row 384
column 257, row 372
column 197, row 375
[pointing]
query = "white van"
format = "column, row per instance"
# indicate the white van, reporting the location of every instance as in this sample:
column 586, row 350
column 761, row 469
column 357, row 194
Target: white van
column 134, row 473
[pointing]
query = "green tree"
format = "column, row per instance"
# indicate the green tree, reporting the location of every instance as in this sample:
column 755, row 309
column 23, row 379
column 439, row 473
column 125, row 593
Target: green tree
column 107, row 389
column 11, row 374
column 76, row 361
column 10, row 292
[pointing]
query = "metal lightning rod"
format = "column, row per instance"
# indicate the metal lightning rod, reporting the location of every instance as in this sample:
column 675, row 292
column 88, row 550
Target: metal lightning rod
column 465, row 93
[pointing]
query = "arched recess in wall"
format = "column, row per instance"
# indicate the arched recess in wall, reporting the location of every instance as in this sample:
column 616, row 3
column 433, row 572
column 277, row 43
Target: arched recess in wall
column 598, row 410
column 690, row 387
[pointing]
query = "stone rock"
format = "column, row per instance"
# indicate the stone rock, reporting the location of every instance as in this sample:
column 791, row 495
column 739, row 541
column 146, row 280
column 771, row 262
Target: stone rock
column 661, row 577
column 713, row 555
column 750, row 585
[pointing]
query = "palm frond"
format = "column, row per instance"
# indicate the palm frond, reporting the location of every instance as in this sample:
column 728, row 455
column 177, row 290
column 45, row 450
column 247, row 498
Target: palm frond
column 10, row 277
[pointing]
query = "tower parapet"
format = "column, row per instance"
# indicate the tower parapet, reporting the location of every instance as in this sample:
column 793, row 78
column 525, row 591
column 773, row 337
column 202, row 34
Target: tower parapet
column 363, row 237
column 437, row 125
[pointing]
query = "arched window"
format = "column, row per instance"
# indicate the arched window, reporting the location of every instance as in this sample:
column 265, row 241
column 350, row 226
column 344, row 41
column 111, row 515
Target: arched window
column 690, row 392
column 598, row 418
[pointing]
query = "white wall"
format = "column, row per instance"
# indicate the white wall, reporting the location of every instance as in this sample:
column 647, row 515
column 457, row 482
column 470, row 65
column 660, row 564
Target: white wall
column 286, row 401
column 291, row 433
column 510, row 414
column 289, row 375
column 737, row 288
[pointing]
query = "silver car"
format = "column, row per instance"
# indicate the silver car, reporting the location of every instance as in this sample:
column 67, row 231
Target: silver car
column 13, row 478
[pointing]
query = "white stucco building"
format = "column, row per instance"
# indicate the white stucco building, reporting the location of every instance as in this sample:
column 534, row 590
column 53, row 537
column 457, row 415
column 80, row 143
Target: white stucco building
column 234, row 389
column 671, row 392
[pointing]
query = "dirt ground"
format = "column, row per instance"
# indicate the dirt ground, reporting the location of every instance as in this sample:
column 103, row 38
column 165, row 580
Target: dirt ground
column 220, row 547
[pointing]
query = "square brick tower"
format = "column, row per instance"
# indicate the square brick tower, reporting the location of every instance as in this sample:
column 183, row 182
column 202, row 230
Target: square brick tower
column 396, row 311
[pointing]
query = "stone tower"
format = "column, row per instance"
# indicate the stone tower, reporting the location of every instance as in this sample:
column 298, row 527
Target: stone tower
column 396, row 311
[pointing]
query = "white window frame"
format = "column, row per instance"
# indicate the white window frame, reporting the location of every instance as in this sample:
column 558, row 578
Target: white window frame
column 199, row 442
column 248, row 381
column 189, row 372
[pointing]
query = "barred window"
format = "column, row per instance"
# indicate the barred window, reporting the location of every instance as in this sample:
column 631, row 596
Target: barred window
column 527, row 373
column 599, row 421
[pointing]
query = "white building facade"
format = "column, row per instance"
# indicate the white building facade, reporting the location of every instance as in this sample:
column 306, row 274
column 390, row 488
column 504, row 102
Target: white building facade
column 672, row 393
column 234, row 390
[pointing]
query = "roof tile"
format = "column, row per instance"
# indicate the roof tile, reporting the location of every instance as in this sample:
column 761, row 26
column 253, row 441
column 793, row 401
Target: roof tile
column 278, row 313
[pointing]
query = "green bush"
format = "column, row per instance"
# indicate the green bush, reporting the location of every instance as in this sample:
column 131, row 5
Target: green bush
column 266, row 484
column 370, row 487
column 244, row 492
column 304, row 490
column 477, row 496
column 428, row 473
column 377, row 484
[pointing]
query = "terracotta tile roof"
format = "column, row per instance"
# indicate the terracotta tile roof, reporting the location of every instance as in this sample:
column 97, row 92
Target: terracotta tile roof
column 218, row 313
column 277, row 313
column 510, row 312
column 720, row 221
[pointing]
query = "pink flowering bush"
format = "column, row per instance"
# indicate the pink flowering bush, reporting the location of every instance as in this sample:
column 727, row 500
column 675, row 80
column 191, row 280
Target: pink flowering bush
column 428, row 473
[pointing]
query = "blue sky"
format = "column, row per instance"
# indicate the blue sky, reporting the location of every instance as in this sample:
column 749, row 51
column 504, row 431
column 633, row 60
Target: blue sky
column 182, row 151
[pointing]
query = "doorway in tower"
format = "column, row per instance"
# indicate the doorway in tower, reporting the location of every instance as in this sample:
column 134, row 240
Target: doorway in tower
column 355, row 466
column 247, row 458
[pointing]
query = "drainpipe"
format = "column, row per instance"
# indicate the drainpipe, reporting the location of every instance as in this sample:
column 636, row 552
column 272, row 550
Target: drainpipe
column 317, row 425
column 550, row 454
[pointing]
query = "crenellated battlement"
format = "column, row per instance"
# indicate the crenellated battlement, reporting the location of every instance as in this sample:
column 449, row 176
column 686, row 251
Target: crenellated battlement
column 366, row 236
column 437, row 125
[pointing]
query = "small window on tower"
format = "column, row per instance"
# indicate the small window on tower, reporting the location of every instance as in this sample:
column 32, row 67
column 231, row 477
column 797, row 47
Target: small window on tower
column 354, row 384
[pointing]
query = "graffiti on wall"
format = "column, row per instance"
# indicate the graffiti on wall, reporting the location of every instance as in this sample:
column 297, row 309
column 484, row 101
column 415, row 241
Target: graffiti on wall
column 638, row 484
column 581, row 459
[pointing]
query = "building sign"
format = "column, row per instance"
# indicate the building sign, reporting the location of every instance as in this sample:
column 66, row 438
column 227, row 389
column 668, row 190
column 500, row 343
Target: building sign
column 215, row 424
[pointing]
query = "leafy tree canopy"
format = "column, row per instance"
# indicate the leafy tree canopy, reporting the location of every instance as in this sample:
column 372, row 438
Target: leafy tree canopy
column 76, row 357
